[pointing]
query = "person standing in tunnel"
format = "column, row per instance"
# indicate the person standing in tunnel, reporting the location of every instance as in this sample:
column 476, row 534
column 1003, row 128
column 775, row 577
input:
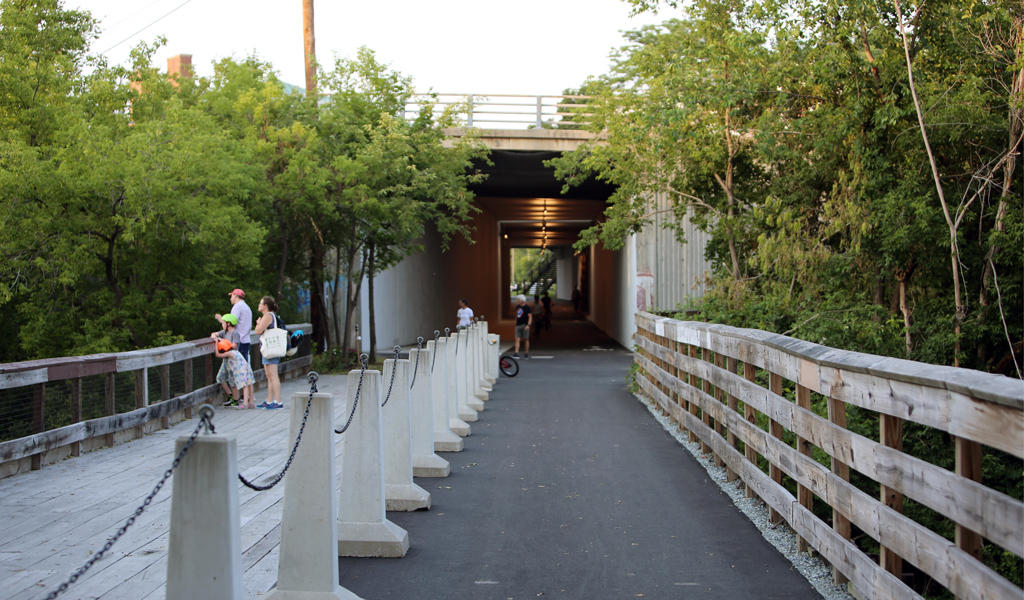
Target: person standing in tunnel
column 465, row 314
column 524, row 318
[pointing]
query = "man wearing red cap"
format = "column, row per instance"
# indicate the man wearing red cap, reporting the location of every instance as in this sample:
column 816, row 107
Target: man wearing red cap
column 244, row 314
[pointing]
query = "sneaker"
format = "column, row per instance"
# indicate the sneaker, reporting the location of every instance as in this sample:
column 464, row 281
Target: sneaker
column 527, row 357
column 274, row 405
column 231, row 401
column 515, row 355
column 264, row 405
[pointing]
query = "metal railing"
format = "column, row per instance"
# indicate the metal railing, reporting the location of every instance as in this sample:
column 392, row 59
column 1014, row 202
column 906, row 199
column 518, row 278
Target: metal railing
column 480, row 110
column 56, row 407
column 541, row 279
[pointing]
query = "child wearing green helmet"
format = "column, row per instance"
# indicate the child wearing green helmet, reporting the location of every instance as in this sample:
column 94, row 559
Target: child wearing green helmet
column 235, row 372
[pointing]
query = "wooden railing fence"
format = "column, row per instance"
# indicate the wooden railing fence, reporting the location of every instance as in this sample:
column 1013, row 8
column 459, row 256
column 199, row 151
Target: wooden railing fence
column 60, row 407
column 705, row 377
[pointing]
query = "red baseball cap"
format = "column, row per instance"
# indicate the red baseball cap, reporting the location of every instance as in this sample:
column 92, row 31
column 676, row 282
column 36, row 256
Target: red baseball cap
column 238, row 292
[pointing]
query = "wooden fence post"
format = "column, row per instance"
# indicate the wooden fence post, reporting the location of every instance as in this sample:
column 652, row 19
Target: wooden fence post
column 705, row 416
column 165, row 393
column 803, row 446
column 776, row 430
column 76, row 411
column 968, row 465
column 684, row 403
column 109, row 382
column 837, row 415
column 660, row 340
column 891, row 435
column 720, row 396
column 693, row 381
column 38, row 419
column 731, row 363
column 673, row 347
column 141, row 396
column 750, row 374
column 187, row 364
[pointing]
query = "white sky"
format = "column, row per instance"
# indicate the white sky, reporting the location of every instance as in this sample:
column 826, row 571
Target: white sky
column 537, row 47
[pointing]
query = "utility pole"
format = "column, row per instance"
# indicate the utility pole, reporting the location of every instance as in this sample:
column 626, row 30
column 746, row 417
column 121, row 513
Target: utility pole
column 310, row 47
column 317, row 307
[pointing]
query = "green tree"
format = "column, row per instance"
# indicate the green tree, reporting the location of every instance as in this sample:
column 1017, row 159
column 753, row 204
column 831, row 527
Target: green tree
column 830, row 221
column 393, row 175
column 252, row 106
column 119, row 200
column 680, row 108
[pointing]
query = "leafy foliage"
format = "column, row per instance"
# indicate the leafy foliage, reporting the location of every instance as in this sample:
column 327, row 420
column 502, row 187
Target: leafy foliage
column 790, row 131
column 133, row 201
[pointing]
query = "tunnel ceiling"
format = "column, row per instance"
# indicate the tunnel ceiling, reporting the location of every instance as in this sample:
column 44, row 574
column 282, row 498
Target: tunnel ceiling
column 527, row 200
column 522, row 174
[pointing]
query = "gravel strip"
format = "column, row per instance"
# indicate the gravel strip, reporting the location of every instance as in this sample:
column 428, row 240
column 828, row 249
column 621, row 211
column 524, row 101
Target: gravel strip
column 782, row 537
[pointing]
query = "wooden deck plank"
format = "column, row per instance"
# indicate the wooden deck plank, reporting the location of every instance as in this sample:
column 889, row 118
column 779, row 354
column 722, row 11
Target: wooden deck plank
column 56, row 518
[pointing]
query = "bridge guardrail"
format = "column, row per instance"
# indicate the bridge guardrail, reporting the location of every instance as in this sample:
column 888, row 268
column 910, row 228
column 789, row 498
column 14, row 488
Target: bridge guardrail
column 562, row 112
column 705, row 377
column 59, row 407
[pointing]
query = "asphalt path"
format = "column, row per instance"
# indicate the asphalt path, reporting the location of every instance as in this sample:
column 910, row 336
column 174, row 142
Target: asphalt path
column 568, row 488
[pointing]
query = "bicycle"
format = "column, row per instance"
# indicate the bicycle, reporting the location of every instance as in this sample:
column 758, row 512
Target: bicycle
column 509, row 366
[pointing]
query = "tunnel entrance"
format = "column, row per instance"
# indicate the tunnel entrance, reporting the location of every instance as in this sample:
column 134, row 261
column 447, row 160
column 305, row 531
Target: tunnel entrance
column 526, row 208
column 520, row 205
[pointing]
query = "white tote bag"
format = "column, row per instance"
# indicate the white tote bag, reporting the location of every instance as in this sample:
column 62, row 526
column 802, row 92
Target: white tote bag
column 274, row 342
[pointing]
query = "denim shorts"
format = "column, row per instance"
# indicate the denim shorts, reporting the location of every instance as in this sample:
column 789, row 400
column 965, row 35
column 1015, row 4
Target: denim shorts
column 271, row 361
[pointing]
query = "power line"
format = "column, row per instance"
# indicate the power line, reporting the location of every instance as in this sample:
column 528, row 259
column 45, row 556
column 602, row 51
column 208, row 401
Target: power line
column 141, row 10
column 145, row 28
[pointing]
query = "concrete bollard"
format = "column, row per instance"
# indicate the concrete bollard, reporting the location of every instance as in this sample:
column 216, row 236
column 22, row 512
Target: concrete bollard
column 307, row 568
column 457, row 383
column 446, row 436
column 473, row 370
column 455, row 422
column 424, row 462
column 400, row 493
column 485, row 355
column 493, row 354
column 363, row 527
column 204, row 547
column 473, row 399
column 481, row 345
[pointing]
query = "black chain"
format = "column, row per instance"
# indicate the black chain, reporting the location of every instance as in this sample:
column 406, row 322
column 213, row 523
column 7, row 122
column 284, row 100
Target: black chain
column 416, row 366
column 205, row 418
column 362, row 358
column 433, row 359
column 313, row 377
column 394, row 369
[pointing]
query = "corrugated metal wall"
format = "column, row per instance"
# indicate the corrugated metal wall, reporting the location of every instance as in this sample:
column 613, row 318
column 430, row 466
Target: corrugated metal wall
column 667, row 271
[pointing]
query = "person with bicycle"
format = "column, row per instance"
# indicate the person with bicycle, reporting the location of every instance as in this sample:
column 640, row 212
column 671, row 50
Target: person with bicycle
column 524, row 319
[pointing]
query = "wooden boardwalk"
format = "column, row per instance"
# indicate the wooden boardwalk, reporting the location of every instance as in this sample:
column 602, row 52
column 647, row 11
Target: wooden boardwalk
column 53, row 520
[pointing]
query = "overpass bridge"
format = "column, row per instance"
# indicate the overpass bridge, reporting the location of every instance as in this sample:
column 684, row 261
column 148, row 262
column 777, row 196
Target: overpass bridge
column 522, row 205
column 568, row 484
